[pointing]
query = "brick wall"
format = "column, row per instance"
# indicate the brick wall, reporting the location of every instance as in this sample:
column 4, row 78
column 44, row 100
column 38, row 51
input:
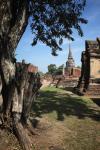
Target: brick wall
column 32, row 68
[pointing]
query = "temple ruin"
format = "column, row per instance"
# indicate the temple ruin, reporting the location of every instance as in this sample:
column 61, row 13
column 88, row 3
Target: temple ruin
column 70, row 75
column 89, row 82
column 71, row 71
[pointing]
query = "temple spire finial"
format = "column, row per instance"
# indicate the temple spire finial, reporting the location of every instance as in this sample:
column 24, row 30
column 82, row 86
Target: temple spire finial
column 70, row 53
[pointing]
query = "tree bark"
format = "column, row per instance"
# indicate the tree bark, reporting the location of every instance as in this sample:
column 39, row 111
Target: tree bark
column 14, row 20
column 17, row 84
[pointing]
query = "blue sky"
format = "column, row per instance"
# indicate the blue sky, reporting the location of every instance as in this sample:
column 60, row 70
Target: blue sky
column 40, row 55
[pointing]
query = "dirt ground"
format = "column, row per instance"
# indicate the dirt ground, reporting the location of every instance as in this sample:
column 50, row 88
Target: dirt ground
column 50, row 135
column 8, row 141
column 58, row 136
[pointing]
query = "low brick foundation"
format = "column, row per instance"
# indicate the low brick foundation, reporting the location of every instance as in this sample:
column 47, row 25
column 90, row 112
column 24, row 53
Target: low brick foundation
column 92, row 91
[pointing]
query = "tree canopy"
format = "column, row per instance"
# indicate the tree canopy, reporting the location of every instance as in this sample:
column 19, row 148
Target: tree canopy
column 53, row 20
column 52, row 69
column 59, row 70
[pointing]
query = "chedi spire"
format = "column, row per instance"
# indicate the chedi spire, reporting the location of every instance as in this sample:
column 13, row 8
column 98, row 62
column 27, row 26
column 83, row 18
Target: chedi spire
column 70, row 62
column 70, row 52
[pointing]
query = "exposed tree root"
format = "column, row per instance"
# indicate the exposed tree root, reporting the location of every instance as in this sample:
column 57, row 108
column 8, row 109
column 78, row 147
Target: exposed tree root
column 30, row 128
column 22, row 136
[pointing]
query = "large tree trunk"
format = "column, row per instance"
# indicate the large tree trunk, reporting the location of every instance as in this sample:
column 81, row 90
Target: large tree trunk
column 17, row 90
column 13, row 22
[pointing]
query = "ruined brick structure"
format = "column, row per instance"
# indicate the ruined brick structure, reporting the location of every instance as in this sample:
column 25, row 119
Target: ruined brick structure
column 89, row 82
column 70, row 70
column 70, row 75
column 31, row 68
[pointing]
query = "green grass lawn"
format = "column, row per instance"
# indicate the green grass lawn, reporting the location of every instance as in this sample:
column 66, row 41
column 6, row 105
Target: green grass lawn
column 74, row 119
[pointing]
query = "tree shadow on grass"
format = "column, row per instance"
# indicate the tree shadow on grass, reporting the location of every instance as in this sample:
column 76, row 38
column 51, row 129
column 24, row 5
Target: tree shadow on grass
column 64, row 105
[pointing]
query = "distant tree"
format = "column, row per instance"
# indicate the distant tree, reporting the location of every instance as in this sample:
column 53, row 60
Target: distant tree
column 79, row 67
column 52, row 69
column 59, row 70
column 50, row 21
column 41, row 73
